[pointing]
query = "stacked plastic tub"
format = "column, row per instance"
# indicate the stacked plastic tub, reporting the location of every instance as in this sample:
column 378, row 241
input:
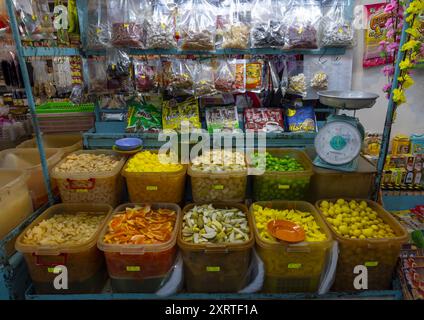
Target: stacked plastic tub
column 67, row 143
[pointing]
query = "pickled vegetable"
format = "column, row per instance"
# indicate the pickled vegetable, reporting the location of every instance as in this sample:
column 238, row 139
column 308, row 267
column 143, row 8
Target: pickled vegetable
column 147, row 161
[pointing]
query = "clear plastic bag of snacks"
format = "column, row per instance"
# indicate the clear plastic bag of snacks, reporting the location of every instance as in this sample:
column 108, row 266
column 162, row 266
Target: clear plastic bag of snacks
column 268, row 28
column 225, row 76
column 161, row 26
column 236, row 25
column 97, row 74
column 118, row 71
column 98, row 33
column 204, row 84
column 147, row 74
column 303, row 24
column 197, row 25
column 180, row 77
column 127, row 22
column 337, row 29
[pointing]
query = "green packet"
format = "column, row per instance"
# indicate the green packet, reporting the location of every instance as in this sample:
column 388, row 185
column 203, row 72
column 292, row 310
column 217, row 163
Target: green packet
column 143, row 117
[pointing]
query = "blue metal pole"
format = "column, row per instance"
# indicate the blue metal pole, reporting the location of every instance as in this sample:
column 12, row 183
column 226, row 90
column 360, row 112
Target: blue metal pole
column 31, row 102
column 391, row 109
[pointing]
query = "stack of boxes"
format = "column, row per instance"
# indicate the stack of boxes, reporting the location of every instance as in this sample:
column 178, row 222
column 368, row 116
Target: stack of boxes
column 403, row 171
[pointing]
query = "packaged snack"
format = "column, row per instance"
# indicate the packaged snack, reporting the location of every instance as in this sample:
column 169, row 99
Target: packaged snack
column 264, row 119
column 303, row 24
column 301, row 119
column 337, row 29
column 240, row 71
column 177, row 110
column 112, row 102
column 118, row 71
column 143, row 117
column 236, row 27
column 222, row 119
column 98, row 33
column 97, row 74
column 375, row 33
column 197, row 25
column 147, row 74
column 180, row 76
column 161, row 26
column 224, row 76
column 204, row 84
column 127, row 19
column 254, row 76
column 268, row 27
column 297, row 85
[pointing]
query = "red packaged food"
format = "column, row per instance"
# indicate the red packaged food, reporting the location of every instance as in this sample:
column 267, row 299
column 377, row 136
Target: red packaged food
column 264, row 119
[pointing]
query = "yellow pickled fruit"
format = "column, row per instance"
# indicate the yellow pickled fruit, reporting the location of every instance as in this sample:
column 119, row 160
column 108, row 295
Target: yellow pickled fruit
column 325, row 204
column 368, row 232
column 341, row 202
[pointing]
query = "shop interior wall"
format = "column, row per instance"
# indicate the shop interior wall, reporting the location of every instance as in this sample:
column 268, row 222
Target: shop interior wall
column 410, row 116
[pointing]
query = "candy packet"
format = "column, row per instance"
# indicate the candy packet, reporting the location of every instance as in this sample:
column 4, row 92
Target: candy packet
column 143, row 117
column 180, row 109
column 222, row 119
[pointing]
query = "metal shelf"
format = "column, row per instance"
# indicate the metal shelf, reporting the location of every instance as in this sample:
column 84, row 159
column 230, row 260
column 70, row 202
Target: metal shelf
column 50, row 52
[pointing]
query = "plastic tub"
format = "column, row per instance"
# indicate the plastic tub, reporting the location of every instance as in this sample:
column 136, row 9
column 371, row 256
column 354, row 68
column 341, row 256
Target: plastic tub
column 224, row 186
column 15, row 202
column 29, row 161
column 66, row 142
column 211, row 267
column 276, row 185
column 144, row 267
column 293, row 267
column 101, row 187
column 84, row 262
column 378, row 255
column 327, row 183
column 156, row 186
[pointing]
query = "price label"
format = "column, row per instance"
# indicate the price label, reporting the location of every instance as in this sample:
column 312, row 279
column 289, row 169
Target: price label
column 218, row 187
column 371, row 263
column 126, row 25
column 283, row 186
column 152, row 188
column 213, row 269
column 294, row 265
column 133, row 268
column 81, row 190
column 51, row 270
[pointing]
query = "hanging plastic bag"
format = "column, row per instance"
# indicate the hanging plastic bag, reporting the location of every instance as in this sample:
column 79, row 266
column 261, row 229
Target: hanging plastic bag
column 118, row 71
column 197, row 25
column 255, row 76
column 97, row 75
column 337, row 30
column 98, row 33
column 225, row 76
column 147, row 74
column 161, row 26
column 62, row 75
column 126, row 18
column 303, row 24
column 29, row 22
column 204, row 84
column 236, row 27
column 180, row 79
column 268, row 28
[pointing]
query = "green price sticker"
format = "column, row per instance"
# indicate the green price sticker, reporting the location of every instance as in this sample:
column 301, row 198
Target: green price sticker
column 133, row 268
column 283, row 186
column 213, row 269
column 51, row 270
column 81, row 190
column 152, row 188
column 371, row 263
column 294, row 265
column 218, row 187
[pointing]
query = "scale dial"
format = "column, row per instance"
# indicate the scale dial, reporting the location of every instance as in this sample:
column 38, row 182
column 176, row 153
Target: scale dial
column 338, row 143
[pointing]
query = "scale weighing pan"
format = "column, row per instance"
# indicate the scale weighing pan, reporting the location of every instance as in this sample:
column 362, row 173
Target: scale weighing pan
column 352, row 100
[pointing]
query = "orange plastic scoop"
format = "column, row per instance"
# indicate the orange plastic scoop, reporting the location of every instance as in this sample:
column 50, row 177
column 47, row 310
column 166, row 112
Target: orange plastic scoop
column 286, row 230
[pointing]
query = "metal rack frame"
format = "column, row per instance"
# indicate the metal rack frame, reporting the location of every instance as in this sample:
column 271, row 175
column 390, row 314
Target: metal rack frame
column 8, row 265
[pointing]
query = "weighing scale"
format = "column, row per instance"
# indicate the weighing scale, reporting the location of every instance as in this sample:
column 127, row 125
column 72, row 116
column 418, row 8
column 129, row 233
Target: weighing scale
column 339, row 143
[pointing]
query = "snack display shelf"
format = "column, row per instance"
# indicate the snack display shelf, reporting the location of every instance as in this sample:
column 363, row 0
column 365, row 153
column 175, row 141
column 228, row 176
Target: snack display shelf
column 50, row 51
column 396, row 203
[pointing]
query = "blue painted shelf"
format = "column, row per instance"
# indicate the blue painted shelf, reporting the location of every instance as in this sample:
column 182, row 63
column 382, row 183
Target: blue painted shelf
column 50, row 52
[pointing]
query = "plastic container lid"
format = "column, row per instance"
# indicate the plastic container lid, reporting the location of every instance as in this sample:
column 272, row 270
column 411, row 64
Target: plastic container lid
column 63, row 208
column 221, row 247
column 140, row 248
column 85, row 175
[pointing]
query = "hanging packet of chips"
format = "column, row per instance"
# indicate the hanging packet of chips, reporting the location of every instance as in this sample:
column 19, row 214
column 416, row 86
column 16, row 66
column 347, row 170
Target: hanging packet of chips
column 180, row 109
column 143, row 117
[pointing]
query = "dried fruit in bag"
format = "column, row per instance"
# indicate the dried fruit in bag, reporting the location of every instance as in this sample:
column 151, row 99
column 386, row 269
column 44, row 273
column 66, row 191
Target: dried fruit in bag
column 147, row 74
column 98, row 33
column 225, row 76
column 180, row 76
column 127, row 18
column 161, row 26
column 119, row 71
column 97, row 73
column 337, row 29
column 236, row 26
column 204, row 84
column 197, row 25
column 303, row 24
